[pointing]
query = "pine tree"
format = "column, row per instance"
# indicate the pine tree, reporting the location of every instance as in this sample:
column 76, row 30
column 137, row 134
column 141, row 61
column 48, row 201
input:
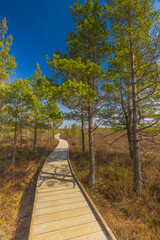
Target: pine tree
column 90, row 42
column 80, row 117
column 16, row 98
column 7, row 62
column 91, row 38
column 73, row 92
column 66, row 131
column 136, row 39
column 37, row 81
column 53, row 114
column 74, row 130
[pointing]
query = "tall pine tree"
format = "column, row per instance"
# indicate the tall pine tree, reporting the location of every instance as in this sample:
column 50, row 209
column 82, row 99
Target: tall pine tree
column 90, row 40
column 136, row 40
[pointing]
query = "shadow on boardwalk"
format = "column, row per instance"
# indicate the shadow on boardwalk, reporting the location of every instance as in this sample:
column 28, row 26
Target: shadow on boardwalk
column 57, row 170
column 25, row 209
column 49, row 178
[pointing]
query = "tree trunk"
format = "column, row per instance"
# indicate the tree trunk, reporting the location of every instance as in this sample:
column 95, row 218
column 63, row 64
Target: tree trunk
column 41, row 137
column 20, row 144
column 83, row 135
column 136, row 147
column 130, row 143
column 35, row 137
column 129, row 123
column 2, row 133
column 53, row 133
column 91, row 148
column 49, row 136
column 129, row 134
column 28, row 136
column 15, row 140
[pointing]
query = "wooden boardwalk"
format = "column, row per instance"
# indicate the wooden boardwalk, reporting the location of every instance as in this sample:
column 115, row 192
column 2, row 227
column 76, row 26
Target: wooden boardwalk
column 61, row 211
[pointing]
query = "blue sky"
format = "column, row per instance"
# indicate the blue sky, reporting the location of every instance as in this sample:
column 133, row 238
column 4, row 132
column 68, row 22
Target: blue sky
column 38, row 27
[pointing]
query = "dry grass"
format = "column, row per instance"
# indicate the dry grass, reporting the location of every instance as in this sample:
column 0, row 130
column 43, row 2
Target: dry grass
column 17, row 188
column 130, row 217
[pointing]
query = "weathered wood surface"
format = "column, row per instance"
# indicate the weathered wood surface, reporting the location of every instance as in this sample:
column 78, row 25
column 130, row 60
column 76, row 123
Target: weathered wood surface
column 60, row 210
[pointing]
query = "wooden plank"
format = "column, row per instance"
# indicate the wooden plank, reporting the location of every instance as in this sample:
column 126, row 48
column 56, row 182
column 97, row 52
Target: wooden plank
column 93, row 236
column 71, row 232
column 54, row 189
column 54, row 183
column 60, row 202
column 61, row 208
column 48, row 194
column 61, row 215
column 61, row 172
column 57, row 225
column 57, row 197
column 57, row 165
column 57, row 177
column 46, row 185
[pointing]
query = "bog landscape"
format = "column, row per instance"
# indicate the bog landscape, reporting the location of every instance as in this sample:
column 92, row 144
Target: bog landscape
column 102, row 95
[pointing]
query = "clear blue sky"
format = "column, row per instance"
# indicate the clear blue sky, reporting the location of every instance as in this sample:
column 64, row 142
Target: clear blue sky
column 38, row 27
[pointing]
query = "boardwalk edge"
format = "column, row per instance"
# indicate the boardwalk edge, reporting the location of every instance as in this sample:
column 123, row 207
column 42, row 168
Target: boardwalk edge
column 93, row 206
column 35, row 196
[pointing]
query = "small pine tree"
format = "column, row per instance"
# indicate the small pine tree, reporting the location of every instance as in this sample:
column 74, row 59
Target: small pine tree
column 74, row 130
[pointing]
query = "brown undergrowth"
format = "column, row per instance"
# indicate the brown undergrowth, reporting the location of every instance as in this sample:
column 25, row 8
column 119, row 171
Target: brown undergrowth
column 17, row 188
column 130, row 217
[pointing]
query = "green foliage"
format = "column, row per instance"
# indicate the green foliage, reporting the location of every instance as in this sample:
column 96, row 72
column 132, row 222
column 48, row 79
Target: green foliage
column 52, row 113
column 90, row 39
column 29, row 103
column 74, row 130
column 136, row 20
column 76, row 89
column 16, row 99
column 44, row 107
column 37, row 82
column 81, row 72
column 87, row 48
column 7, row 62
column 67, row 131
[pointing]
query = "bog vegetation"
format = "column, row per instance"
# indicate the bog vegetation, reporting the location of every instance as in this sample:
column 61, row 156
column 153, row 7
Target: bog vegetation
column 109, row 80
column 130, row 217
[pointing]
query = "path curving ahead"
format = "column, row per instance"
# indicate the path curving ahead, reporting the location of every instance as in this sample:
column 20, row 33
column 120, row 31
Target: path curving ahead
column 61, row 211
